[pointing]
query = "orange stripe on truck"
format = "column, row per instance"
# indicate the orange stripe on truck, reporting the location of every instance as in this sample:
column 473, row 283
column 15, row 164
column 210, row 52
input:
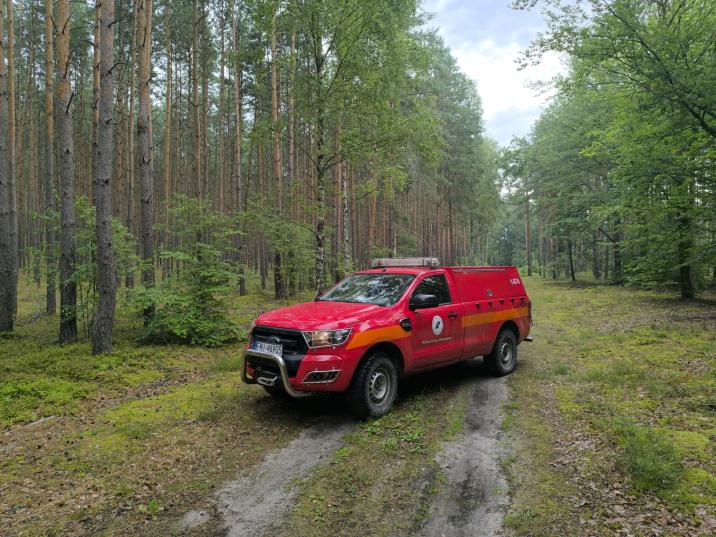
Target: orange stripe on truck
column 389, row 333
column 491, row 317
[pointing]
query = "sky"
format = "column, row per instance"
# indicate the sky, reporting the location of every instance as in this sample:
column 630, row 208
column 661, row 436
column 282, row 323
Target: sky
column 486, row 37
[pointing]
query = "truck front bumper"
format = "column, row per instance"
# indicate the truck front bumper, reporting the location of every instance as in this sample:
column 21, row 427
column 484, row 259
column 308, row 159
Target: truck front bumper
column 283, row 373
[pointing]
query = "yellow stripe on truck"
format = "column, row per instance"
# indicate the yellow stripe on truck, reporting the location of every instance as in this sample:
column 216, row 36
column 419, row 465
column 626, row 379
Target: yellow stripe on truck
column 491, row 317
column 389, row 333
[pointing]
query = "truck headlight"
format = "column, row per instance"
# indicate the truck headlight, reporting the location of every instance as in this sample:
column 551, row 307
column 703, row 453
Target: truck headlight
column 326, row 338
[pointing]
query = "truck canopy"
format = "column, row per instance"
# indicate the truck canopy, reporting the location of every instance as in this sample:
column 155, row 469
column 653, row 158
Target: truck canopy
column 484, row 283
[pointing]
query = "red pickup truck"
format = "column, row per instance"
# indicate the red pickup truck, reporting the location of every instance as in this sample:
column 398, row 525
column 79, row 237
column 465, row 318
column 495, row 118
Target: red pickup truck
column 402, row 317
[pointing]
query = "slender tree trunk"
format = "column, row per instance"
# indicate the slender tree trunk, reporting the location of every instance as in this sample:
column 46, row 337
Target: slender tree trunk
column 96, row 75
column 167, row 147
column 596, row 272
column 570, row 256
column 50, row 299
column 277, row 171
column 68, row 287
column 238, row 179
column 12, row 161
column 8, row 257
column 528, row 233
column 617, row 251
column 346, row 226
column 144, row 140
column 102, row 164
column 291, row 122
column 222, row 195
column 196, row 167
column 684, row 246
column 129, row 281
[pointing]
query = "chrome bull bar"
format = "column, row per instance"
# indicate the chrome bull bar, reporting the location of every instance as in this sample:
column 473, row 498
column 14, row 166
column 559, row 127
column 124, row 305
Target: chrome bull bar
column 281, row 367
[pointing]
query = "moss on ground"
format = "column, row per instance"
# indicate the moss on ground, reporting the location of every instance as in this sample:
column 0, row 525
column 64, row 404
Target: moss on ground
column 634, row 371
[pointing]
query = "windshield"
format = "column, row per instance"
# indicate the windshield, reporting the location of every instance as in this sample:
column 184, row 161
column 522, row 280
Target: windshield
column 378, row 289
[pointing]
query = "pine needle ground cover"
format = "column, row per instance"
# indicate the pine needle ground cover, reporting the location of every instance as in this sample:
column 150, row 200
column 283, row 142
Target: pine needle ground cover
column 612, row 416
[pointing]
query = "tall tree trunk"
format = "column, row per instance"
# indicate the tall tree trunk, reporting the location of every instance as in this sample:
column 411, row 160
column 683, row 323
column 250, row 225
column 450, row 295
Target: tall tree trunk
column 196, row 166
column 277, row 172
column 12, row 161
column 96, row 75
column 596, row 271
column 238, row 180
column 570, row 257
column 50, row 299
column 8, row 257
column 221, row 198
column 131, row 165
column 346, row 225
column 144, row 140
column 291, row 123
column 684, row 246
column 528, row 233
column 68, row 287
column 102, row 164
column 167, row 147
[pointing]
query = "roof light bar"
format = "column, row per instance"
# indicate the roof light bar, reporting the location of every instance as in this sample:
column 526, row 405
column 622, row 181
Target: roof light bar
column 384, row 262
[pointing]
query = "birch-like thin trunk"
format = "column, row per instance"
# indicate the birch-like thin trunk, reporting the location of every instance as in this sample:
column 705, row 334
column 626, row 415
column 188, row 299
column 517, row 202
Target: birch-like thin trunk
column 68, row 287
column 102, row 163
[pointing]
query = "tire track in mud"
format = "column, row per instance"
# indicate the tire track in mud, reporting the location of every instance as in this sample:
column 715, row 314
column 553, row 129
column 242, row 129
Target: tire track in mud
column 473, row 500
column 250, row 505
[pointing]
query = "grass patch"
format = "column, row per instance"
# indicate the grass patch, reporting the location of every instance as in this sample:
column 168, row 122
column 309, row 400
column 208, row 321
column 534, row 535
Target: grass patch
column 634, row 372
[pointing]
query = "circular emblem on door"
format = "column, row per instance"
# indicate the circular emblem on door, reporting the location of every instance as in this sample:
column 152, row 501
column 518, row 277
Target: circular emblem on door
column 438, row 325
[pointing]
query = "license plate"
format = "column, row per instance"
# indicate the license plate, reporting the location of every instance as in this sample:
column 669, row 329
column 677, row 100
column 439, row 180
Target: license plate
column 271, row 348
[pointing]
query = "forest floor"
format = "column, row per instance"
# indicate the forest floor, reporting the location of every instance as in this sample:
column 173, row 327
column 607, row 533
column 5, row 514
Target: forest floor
column 608, row 427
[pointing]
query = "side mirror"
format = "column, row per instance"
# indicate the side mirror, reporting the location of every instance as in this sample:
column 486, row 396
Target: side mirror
column 421, row 302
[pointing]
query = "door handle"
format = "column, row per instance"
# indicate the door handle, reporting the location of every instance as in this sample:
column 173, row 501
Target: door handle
column 452, row 315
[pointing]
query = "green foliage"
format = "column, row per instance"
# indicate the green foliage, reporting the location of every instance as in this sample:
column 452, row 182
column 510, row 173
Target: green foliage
column 190, row 305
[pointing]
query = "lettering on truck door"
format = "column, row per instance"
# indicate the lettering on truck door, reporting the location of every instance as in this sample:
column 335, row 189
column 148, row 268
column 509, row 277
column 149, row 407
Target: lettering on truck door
column 437, row 332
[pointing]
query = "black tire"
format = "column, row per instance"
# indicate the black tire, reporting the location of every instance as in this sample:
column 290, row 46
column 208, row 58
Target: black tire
column 503, row 358
column 374, row 386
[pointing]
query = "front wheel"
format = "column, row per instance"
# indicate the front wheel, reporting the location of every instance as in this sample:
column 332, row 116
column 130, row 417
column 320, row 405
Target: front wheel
column 374, row 387
column 503, row 358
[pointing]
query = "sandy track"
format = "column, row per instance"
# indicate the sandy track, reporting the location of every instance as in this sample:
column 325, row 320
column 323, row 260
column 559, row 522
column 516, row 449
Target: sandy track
column 251, row 504
column 474, row 497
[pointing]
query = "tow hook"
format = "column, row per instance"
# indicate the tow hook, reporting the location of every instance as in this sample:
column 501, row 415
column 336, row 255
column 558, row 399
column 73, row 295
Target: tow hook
column 529, row 339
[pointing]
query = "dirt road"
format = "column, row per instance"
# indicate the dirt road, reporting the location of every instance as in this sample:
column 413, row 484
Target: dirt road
column 471, row 497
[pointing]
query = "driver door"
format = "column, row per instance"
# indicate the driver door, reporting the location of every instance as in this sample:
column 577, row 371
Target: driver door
column 437, row 331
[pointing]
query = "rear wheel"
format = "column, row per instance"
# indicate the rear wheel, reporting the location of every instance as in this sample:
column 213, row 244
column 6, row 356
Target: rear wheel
column 374, row 387
column 503, row 358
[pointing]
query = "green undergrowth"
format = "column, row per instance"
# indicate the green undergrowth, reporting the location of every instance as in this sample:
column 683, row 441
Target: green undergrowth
column 634, row 368
column 40, row 378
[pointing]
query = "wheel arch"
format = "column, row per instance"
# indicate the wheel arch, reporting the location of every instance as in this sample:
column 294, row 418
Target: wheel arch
column 511, row 325
column 391, row 349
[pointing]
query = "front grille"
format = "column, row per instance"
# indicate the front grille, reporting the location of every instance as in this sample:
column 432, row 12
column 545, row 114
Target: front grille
column 294, row 348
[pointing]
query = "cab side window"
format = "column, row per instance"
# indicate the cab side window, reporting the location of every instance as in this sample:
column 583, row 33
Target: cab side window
column 435, row 285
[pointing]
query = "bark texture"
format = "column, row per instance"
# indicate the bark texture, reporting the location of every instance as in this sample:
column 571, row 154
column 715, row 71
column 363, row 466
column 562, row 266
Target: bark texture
column 144, row 140
column 50, row 259
column 8, row 256
column 68, row 287
column 103, row 162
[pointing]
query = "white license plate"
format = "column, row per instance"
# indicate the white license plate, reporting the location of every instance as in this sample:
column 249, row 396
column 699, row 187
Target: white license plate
column 271, row 348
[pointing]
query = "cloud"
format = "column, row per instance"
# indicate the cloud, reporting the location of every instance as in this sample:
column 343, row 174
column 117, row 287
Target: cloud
column 504, row 89
column 486, row 38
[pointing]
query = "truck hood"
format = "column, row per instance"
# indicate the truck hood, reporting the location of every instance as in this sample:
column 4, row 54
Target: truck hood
column 320, row 315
